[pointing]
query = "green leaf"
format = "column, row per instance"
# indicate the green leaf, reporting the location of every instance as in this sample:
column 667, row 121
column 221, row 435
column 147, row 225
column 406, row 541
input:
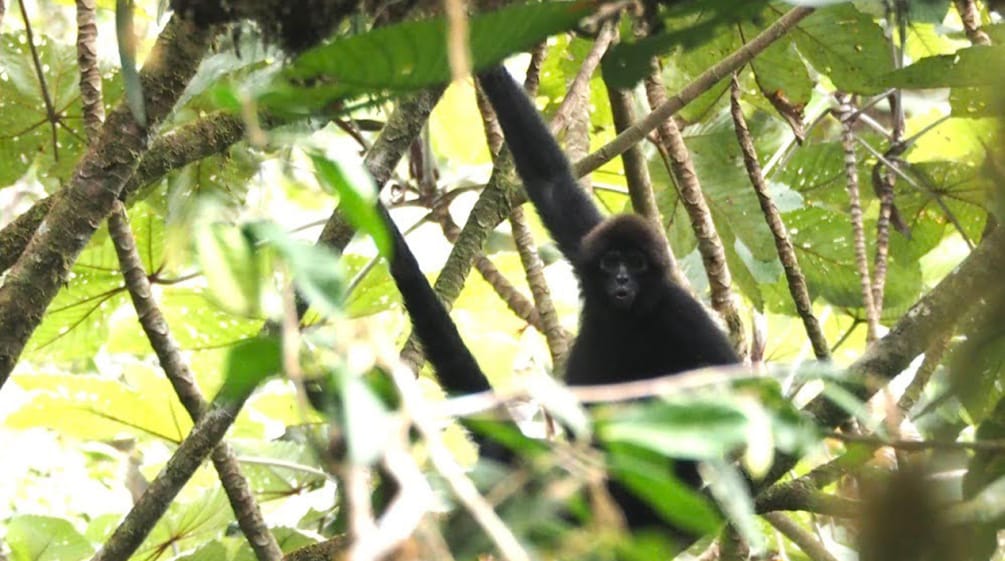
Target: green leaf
column 188, row 523
column 651, row 479
column 248, row 363
column 695, row 428
column 296, row 465
column 372, row 294
column 413, row 55
column 689, row 24
column 781, row 72
column 232, row 266
column 44, row 538
column 212, row 551
column 26, row 136
column 965, row 67
column 315, row 269
column 847, row 46
column 93, row 407
column 357, row 196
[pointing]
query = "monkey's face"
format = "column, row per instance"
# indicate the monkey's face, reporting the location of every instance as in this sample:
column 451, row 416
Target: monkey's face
column 623, row 272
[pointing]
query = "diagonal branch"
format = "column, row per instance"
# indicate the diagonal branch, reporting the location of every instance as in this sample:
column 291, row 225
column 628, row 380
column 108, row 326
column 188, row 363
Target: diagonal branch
column 173, row 150
column 154, row 502
column 689, row 93
column 98, row 180
column 783, row 244
column 249, row 516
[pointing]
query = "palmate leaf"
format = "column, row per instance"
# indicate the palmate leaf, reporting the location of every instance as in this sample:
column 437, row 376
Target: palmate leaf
column 847, row 46
column 413, row 55
column 965, row 67
column 26, row 136
column 44, row 538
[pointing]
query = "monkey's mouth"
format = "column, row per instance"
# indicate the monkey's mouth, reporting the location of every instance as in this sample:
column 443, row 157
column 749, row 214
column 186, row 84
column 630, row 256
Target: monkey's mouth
column 623, row 297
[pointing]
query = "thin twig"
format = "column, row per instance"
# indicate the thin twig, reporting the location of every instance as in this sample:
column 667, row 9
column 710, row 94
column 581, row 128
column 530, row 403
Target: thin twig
column 786, row 253
column 855, row 204
column 637, row 132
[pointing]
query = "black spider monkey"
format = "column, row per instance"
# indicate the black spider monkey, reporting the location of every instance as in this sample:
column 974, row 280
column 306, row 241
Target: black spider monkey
column 635, row 322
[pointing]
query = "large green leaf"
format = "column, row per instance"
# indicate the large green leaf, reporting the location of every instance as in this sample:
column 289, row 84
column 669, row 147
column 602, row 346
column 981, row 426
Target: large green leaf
column 25, row 132
column 187, row 523
column 413, row 55
column 44, row 538
column 688, row 428
column 847, row 46
column 26, row 136
column 249, row 362
column 966, row 67
column 651, row 478
column 98, row 408
column 824, row 245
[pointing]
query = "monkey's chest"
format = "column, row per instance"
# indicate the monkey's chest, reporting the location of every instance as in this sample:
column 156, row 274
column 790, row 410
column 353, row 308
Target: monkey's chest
column 621, row 353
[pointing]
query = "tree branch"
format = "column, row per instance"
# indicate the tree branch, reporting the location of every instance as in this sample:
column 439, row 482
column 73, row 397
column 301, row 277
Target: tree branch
column 786, row 253
column 637, row 132
column 99, row 178
column 248, row 515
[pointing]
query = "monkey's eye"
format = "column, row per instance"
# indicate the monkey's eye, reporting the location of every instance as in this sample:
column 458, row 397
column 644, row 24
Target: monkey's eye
column 636, row 262
column 610, row 262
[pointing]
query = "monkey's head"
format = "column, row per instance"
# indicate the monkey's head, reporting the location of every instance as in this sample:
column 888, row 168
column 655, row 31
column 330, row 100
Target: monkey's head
column 624, row 262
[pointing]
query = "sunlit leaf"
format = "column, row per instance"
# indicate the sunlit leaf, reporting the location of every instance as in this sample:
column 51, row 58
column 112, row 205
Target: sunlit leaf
column 357, row 196
column 248, row 364
column 233, row 267
column 45, row 538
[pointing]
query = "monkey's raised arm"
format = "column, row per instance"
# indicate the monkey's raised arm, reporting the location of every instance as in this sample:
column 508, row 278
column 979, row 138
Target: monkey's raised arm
column 456, row 368
column 565, row 208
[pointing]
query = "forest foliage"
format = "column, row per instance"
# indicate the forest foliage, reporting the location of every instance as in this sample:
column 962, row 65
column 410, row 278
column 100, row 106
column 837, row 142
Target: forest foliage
column 849, row 243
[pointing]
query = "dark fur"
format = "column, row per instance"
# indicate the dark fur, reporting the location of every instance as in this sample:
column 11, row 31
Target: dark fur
column 456, row 368
column 666, row 330
column 663, row 331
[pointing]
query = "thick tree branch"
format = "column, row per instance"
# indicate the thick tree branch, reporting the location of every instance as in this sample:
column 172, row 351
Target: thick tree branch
column 100, row 176
column 396, row 136
column 713, row 254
